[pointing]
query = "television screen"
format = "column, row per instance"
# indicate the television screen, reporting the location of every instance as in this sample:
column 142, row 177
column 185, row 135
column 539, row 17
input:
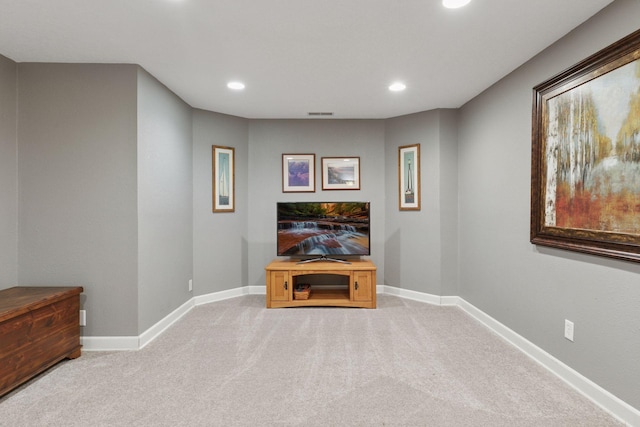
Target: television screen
column 323, row 228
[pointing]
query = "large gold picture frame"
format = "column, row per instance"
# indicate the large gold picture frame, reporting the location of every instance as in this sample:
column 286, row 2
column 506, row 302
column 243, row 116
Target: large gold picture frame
column 585, row 174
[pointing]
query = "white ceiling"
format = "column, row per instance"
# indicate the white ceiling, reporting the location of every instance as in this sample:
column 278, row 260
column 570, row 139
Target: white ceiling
column 298, row 56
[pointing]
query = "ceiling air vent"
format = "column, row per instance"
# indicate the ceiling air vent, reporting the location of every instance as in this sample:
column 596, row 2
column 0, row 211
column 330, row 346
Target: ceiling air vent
column 319, row 113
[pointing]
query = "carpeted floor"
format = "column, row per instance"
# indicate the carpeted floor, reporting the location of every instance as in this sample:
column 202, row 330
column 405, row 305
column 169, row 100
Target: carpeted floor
column 235, row 363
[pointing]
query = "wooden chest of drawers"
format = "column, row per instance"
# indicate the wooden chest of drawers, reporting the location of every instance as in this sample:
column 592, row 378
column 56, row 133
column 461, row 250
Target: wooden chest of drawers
column 39, row 326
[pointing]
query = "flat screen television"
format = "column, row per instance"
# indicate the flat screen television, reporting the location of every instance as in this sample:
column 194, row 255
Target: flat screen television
column 323, row 230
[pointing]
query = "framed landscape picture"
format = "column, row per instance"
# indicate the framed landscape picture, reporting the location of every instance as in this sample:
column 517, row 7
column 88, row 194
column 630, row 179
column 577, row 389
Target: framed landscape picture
column 223, row 179
column 409, row 177
column 298, row 173
column 340, row 173
column 585, row 175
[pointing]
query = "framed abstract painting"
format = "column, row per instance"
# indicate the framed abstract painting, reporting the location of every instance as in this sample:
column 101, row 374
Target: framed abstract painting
column 585, row 174
column 298, row 173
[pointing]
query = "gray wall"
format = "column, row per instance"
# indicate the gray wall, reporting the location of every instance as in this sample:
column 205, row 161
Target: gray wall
column 533, row 289
column 269, row 139
column 8, row 174
column 220, row 240
column 448, row 131
column 165, row 201
column 78, row 197
column 87, row 154
column 421, row 246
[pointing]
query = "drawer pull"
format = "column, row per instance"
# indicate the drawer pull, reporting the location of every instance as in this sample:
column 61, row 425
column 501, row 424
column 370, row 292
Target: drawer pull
column 285, row 286
column 356, row 286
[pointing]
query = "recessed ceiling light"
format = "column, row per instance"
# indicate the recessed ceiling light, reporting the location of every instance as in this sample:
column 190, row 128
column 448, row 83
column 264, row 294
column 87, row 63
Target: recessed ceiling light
column 454, row 4
column 235, row 85
column 397, row 87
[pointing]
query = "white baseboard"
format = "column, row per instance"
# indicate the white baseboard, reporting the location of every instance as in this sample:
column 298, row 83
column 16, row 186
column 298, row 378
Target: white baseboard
column 126, row 343
column 222, row 295
column 607, row 401
column 156, row 330
column 257, row 290
column 121, row 343
column 412, row 295
column 450, row 301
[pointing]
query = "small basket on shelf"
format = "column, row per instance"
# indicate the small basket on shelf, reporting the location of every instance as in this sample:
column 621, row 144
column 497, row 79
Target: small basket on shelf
column 302, row 291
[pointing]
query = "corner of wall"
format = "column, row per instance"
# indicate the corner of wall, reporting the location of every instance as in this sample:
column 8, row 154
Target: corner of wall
column 8, row 173
column 448, row 139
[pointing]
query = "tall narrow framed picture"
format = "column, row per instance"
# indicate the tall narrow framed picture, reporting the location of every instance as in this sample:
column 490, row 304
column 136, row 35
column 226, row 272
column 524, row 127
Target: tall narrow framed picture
column 340, row 173
column 409, row 177
column 223, row 179
column 585, row 173
column 298, row 173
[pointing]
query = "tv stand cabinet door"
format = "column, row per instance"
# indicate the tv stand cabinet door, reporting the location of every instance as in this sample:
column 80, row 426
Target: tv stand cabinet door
column 362, row 286
column 279, row 286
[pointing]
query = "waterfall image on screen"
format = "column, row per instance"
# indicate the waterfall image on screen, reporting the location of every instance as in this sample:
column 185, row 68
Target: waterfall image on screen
column 319, row 228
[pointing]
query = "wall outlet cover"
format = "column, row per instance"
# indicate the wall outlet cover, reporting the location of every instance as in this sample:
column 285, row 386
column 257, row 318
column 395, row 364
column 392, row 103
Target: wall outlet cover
column 568, row 329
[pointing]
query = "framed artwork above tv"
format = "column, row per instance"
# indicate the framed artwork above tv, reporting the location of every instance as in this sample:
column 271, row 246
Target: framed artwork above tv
column 298, row 173
column 340, row 173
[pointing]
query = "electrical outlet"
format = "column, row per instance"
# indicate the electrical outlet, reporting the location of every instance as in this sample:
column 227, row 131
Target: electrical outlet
column 83, row 317
column 568, row 330
column 190, row 285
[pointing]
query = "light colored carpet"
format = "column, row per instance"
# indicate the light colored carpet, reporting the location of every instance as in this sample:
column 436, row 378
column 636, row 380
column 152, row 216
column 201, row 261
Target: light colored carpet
column 235, row 363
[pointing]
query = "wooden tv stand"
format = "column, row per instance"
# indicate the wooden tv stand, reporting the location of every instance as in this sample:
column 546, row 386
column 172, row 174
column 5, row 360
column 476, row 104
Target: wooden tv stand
column 359, row 290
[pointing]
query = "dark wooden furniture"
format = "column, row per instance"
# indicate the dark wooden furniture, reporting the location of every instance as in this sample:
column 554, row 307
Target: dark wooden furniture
column 39, row 326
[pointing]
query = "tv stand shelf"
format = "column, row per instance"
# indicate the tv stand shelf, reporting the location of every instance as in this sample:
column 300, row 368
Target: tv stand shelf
column 359, row 292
